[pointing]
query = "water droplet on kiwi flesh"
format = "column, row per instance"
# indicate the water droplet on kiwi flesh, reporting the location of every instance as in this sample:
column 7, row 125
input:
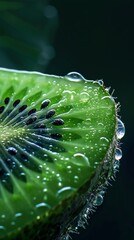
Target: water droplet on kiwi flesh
column 75, row 77
column 22, row 150
column 100, row 81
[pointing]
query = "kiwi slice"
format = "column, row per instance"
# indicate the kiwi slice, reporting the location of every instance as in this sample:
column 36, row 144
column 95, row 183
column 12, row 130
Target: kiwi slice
column 58, row 150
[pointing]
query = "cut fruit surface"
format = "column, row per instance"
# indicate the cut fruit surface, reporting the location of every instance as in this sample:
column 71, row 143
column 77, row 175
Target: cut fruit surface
column 56, row 135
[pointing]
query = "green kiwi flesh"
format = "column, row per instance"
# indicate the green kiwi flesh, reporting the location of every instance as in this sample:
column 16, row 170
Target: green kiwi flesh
column 57, row 142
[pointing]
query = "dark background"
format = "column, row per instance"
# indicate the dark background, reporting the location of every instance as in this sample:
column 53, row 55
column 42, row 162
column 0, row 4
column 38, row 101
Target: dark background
column 95, row 38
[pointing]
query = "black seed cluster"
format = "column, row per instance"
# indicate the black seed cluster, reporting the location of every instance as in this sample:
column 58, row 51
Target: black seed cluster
column 21, row 153
column 32, row 113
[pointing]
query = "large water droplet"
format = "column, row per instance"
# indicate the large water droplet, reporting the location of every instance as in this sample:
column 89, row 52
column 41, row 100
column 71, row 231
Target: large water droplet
column 42, row 205
column 69, row 95
column 120, row 129
column 118, row 154
column 104, row 139
column 98, row 200
column 2, row 228
column 100, row 81
column 75, row 77
column 18, row 214
column 80, row 160
column 84, row 97
column 65, row 192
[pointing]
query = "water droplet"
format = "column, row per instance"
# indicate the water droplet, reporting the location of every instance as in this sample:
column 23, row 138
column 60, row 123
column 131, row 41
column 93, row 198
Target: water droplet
column 84, row 97
column 69, row 167
column 118, row 154
column 74, row 76
column 120, row 129
column 100, row 81
column 108, row 97
column 65, row 191
column 42, row 204
column 98, row 200
column 2, row 228
column 18, row 214
column 59, row 184
column 80, row 160
column 107, row 89
column 76, row 179
column 12, row 223
column 104, row 139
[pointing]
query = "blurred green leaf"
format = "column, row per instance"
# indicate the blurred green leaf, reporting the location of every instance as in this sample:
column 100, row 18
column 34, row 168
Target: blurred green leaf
column 27, row 30
column 6, row 5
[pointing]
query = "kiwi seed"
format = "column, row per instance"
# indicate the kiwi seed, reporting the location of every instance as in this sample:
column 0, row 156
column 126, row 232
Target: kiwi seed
column 7, row 100
column 45, row 103
column 16, row 103
column 2, row 109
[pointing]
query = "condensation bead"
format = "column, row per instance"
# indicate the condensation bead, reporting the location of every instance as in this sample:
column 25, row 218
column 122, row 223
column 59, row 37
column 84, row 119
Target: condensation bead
column 104, row 139
column 65, row 191
column 69, row 95
column 42, row 205
column 98, row 200
column 13, row 223
column 84, row 97
column 118, row 154
column 2, row 228
column 75, row 77
column 120, row 132
column 100, row 81
column 80, row 160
